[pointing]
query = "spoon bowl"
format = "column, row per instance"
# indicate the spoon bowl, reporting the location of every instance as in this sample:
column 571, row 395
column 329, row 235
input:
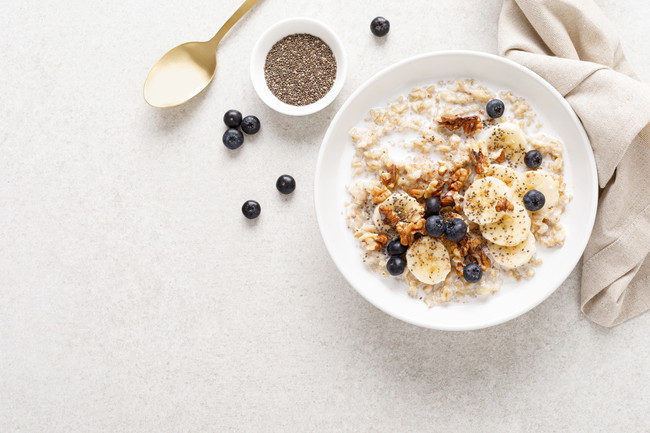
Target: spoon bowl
column 184, row 71
column 180, row 74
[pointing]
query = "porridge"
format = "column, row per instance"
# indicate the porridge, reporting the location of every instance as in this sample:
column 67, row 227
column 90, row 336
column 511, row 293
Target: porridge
column 455, row 187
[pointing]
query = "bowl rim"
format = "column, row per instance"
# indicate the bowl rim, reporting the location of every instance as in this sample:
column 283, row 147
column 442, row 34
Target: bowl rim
column 260, row 84
column 329, row 244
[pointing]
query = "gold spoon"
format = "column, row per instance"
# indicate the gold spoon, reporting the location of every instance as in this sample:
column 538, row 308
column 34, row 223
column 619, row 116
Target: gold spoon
column 187, row 69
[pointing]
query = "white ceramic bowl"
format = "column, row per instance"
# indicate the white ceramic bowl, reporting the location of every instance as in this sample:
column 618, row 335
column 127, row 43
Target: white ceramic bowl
column 333, row 173
column 279, row 31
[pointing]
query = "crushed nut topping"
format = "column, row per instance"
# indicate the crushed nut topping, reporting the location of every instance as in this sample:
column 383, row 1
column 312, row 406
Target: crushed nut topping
column 470, row 124
column 373, row 241
column 416, row 192
column 434, row 188
column 476, row 250
column 480, row 161
column 504, row 205
column 499, row 156
column 388, row 215
column 469, row 250
column 380, row 242
column 447, row 199
column 379, row 194
column 458, row 179
column 389, row 178
column 407, row 231
column 458, row 258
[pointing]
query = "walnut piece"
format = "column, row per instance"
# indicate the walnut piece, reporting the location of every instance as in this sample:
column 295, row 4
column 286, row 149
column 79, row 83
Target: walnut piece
column 388, row 215
column 469, row 250
column 470, row 124
column 504, row 205
column 483, row 260
column 499, row 156
column 379, row 243
column 458, row 253
column 416, row 192
column 447, row 199
column 389, row 178
column 458, row 179
column 477, row 252
column 434, row 188
column 480, row 161
column 374, row 241
column 407, row 231
column 379, row 194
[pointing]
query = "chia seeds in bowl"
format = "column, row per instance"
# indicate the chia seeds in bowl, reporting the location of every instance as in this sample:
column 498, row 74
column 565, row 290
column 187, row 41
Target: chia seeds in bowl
column 298, row 66
column 300, row 69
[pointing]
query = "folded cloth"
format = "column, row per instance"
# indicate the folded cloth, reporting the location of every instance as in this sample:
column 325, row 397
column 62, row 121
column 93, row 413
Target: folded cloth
column 572, row 45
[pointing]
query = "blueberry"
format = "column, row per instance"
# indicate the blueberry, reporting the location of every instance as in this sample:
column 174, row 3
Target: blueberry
column 233, row 138
column 472, row 273
column 285, row 184
column 534, row 200
column 395, row 248
column 495, row 108
column 396, row 265
column 435, row 226
column 380, row 26
column 250, row 125
column 232, row 118
column 533, row 159
column 251, row 209
column 432, row 206
column 455, row 230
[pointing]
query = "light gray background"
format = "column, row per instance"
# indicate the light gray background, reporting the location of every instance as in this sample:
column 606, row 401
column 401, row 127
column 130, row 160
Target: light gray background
column 134, row 297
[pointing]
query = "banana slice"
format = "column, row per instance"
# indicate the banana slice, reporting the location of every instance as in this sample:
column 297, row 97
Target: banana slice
column 428, row 260
column 511, row 139
column 515, row 256
column 503, row 173
column 543, row 182
column 482, row 197
column 406, row 207
column 510, row 230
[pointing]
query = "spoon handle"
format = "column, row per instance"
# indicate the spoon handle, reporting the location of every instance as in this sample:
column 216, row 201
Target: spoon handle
column 245, row 7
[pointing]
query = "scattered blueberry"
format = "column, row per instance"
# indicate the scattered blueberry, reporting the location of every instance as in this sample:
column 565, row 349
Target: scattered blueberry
column 285, row 184
column 396, row 265
column 472, row 273
column 432, row 206
column 232, row 118
column 380, row 26
column 435, row 226
column 251, row 209
column 455, row 230
column 533, row 159
column 534, row 200
column 495, row 108
column 395, row 248
column 233, row 138
column 250, row 125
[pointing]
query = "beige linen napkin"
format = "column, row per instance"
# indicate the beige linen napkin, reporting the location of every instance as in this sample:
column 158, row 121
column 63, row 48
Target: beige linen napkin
column 574, row 47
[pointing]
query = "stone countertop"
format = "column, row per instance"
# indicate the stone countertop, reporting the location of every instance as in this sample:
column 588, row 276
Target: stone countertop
column 134, row 296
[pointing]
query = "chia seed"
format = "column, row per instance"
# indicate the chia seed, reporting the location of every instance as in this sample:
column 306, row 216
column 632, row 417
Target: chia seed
column 300, row 69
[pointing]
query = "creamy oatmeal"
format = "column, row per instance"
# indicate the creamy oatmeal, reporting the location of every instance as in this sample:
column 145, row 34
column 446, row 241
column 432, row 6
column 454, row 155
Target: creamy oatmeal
column 452, row 194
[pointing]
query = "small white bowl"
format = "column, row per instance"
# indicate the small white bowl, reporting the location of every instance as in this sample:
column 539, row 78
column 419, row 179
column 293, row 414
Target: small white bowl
column 281, row 30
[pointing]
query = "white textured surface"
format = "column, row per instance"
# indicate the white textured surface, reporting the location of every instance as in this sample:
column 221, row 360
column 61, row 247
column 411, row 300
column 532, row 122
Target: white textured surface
column 135, row 297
